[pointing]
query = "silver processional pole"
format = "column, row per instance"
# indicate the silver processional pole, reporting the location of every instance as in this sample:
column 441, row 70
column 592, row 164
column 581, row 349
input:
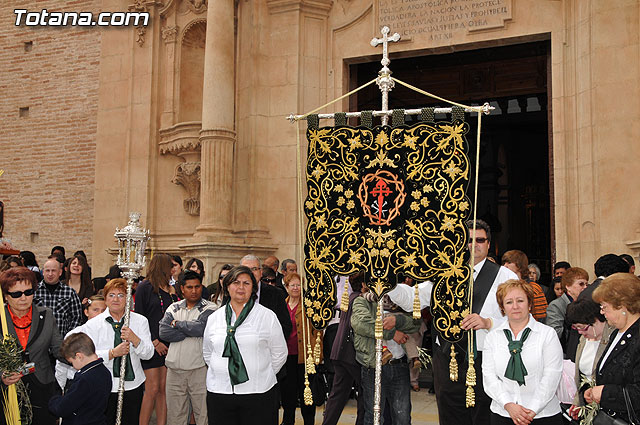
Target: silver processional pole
column 386, row 84
column 132, row 242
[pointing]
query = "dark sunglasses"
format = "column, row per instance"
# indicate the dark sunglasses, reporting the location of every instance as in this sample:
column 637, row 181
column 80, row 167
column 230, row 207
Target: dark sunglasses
column 18, row 294
column 268, row 280
column 478, row 240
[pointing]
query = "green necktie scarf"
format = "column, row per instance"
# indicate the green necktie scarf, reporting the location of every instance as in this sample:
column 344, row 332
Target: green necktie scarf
column 237, row 370
column 515, row 368
column 128, row 374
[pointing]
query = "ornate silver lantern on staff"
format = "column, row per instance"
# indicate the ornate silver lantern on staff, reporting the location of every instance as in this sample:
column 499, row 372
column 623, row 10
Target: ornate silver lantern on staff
column 132, row 242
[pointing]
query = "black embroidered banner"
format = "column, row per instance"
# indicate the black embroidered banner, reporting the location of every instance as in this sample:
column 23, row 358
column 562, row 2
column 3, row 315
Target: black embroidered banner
column 389, row 201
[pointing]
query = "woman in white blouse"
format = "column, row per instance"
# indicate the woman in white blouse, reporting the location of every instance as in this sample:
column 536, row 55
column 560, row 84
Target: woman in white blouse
column 522, row 362
column 244, row 348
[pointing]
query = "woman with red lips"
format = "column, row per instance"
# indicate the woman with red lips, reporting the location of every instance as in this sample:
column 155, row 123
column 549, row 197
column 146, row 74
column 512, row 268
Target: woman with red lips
column 78, row 277
column 522, row 362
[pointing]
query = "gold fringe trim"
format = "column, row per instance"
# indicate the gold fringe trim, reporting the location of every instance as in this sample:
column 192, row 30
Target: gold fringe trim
column 344, row 301
column 416, row 303
column 453, row 365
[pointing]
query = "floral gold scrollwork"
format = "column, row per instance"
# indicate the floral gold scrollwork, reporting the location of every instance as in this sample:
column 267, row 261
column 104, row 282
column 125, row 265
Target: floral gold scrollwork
column 389, row 201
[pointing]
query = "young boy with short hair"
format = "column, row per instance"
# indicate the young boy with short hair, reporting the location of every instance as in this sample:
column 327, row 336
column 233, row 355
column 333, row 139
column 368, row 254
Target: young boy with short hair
column 86, row 400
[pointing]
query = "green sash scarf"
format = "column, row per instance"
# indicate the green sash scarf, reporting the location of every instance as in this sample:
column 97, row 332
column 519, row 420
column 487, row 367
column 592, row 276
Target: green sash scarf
column 117, row 361
column 237, row 370
column 515, row 368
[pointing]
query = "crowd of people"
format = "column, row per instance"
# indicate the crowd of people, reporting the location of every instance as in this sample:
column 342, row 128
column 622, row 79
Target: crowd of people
column 235, row 351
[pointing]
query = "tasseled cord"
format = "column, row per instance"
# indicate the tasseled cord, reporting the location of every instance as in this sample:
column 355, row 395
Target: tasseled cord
column 416, row 303
column 453, row 365
column 344, row 301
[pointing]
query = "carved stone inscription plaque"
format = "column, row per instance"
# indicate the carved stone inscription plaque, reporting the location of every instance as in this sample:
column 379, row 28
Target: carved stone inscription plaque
column 441, row 20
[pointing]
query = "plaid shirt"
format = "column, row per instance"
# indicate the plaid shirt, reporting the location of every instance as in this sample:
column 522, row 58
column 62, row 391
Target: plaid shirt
column 64, row 303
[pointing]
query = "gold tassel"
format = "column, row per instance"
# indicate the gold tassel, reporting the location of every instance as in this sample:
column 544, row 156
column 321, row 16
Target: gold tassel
column 471, row 372
column 471, row 397
column 416, row 303
column 311, row 367
column 378, row 328
column 308, row 397
column 316, row 350
column 453, row 365
column 344, row 301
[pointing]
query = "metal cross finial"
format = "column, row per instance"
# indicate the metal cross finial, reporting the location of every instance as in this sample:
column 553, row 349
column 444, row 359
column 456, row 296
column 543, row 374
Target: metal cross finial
column 384, row 81
column 385, row 44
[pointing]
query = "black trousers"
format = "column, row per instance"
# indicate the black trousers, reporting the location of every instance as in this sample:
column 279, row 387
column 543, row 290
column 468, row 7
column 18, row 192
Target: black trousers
column 130, row 406
column 292, row 393
column 549, row 420
column 243, row 409
column 346, row 375
column 451, row 396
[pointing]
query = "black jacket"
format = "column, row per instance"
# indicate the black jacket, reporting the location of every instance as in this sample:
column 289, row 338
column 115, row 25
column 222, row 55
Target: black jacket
column 621, row 369
column 86, row 400
column 271, row 297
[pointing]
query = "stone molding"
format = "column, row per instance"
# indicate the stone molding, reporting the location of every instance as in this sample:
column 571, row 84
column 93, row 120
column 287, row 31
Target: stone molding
column 318, row 7
column 180, row 138
column 187, row 175
column 218, row 134
column 170, row 34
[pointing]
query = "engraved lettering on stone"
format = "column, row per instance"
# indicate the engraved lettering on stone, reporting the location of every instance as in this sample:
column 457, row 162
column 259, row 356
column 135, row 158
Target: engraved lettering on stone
column 440, row 20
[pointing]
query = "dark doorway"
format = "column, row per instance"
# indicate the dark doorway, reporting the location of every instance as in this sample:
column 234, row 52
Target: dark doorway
column 514, row 194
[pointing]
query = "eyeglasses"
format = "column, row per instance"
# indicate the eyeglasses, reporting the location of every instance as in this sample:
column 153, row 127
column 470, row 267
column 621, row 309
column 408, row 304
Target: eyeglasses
column 478, row 240
column 294, row 286
column 18, row 294
column 112, row 295
column 580, row 328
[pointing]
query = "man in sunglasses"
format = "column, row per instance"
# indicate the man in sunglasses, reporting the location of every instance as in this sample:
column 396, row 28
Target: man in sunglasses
column 487, row 276
column 57, row 296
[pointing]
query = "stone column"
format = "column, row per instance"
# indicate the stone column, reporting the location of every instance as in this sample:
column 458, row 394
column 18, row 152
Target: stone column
column 218, row 135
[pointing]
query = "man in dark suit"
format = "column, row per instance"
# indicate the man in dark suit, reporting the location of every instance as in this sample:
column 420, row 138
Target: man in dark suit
column 269, row 296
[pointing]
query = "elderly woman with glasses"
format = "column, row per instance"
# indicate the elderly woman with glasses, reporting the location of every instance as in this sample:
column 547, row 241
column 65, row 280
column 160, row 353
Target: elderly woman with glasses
column 37, row 334
column 116, row 343
column 244, row 348
column 618, row 370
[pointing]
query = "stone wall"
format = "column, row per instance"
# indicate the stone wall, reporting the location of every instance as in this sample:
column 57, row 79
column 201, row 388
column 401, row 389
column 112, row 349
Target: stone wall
column 48, row 151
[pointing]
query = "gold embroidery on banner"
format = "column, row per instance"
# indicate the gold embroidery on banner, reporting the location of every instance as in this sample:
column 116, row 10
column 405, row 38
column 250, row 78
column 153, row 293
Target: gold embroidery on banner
column 388, row 201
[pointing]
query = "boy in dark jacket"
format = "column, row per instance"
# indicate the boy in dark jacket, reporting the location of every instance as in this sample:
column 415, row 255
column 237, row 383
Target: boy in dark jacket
column 86, row 400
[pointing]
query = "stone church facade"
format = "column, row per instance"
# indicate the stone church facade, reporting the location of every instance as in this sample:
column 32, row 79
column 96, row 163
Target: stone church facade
column 184, row 120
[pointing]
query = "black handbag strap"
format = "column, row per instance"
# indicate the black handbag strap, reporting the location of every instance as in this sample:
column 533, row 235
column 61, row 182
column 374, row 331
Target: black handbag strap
column 633, row 420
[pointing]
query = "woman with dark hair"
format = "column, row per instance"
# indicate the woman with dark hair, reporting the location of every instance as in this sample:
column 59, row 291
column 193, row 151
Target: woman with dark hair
column 618, row 370
column 37, row 334
column 196, row 265
column 244, row 348
column 29, row 260
column 217, row 288
column 78, row 277
column 585, row 317
column 14, row 261
column 153, row 296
